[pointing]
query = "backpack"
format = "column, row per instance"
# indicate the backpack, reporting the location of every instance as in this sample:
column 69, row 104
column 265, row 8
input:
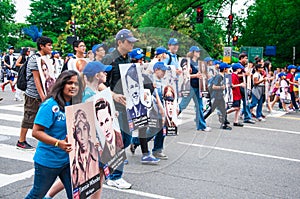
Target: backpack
column 22, row 75
column 210, row 84
column 170, row 57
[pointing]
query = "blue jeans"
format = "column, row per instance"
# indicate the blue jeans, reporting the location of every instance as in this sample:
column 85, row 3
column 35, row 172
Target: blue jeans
column 246, row 107
column 44, row 177
column 126, row 136
column 259, row 103
column 195, row 95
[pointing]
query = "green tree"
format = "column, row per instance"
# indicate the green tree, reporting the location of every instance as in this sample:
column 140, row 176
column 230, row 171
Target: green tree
column 50, row 15
column 7, row 11
column 274, row 23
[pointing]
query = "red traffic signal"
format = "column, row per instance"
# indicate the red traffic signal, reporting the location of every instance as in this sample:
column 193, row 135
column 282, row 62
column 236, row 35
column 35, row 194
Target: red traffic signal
column 235, row 40
column 200, row 14
column 230, row 21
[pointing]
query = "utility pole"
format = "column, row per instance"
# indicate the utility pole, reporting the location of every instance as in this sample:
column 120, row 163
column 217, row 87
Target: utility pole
column 229, row 28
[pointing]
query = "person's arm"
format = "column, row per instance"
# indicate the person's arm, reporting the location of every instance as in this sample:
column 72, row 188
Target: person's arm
column 38, row 84
column 38, row 132
column 18, row 64
column 5, row 63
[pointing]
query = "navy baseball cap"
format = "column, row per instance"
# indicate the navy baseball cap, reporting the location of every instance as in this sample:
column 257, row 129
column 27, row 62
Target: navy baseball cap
column 94, row 67
column 126, row 34
column 160, row 65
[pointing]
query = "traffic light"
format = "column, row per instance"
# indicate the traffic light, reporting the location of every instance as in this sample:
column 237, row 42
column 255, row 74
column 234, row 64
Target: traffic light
column 230, row 21
column 235, row 40
column 200, row 14
column 73, row 28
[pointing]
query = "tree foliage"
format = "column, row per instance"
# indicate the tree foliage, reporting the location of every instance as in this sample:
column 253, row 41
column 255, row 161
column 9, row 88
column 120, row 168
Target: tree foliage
column 276, row 23
column 7, row 11
column 50, row 15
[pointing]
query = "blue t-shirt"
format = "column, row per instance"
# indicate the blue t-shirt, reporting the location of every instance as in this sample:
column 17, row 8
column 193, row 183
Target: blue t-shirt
column 54, row 121
column 87, row 93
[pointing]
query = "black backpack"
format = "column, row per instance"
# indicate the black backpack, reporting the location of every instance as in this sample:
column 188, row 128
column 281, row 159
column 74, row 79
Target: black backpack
column 22, row 75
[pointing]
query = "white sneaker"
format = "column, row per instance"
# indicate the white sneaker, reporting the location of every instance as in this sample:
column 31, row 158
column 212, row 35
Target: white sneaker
column 261, row 119
column 120, row 183
column 207, row 129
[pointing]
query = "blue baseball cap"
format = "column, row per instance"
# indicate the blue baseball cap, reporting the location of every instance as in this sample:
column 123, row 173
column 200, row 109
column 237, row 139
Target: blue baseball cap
column 195, row 48
column 281, row 74
column 94, row 67
column 173, row 41
column 223, row 65
column 125, row 34
column 96, row 47
column 236, row 66
column 298, row 69
column 54, row 52
column 136, row 53
column 216, row 62
column 70, row 55
column 160, row 50
column 207, row 59
column 160, row 65
column 291, row 67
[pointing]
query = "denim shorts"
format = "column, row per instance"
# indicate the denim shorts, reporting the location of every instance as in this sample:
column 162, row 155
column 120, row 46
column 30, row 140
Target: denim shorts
column 31, row 107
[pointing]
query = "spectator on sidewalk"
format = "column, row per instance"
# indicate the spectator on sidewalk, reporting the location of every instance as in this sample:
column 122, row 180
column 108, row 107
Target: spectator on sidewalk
column 9, row 60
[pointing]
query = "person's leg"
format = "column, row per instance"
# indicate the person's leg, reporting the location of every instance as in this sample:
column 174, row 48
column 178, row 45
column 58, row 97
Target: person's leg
column 200, row 121
column 143, row 140
column 57, row 187
column 293, row 98
column 185, row 101
column 65, row 177
column 158, row 140
column 44, row 177
column 259, row 108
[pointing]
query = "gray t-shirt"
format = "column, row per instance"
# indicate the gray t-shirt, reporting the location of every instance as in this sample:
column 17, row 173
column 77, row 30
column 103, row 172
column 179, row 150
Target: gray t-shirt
column 31, row 90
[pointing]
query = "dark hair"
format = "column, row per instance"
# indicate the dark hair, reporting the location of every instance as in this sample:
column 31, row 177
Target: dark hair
column 56, row 90
column 257, row 60
column 257, row 66
column 242, row 55
column 183, row 63
column 24, row 51
column 132, row 73
column 167, row 89
column 43, row 40
column 102, row 104
column 76, row 44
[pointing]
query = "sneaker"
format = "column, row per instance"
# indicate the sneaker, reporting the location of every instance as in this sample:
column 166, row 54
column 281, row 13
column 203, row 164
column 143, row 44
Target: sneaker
column 120, row 183
column 207, row 129
column 261, row 119
column 149, row 159
column 24, row 146
column 160, row 155
column 226, row 127
column 132, row 148
column 249, row 121
column 238, row 124
column 253, row 115
column 2, row 87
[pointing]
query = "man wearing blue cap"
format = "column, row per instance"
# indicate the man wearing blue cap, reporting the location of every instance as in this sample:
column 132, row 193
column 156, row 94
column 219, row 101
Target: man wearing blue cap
column 172, row 59
column 124, row 44
column 290, row 78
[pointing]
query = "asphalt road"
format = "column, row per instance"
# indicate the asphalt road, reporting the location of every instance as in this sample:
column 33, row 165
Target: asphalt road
column 255, row 161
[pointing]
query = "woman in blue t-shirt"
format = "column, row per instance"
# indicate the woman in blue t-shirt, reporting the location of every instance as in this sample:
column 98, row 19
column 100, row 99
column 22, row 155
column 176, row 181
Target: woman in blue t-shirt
column 51, row 158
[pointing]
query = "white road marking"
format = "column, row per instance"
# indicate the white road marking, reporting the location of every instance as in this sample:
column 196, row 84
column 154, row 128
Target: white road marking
column 8, row 151
column 272, row 130
column 13, row 131
column 11, row 117
column 139, row 193
column 241, row 152
column 15, row 107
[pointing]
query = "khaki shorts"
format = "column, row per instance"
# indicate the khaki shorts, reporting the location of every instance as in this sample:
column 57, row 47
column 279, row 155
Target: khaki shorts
column 31, row 107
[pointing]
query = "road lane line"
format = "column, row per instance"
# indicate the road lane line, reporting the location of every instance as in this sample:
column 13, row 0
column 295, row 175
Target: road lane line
column 8, row 179
column 241, row 152
column 290, row 117
column 10, row 152
column 15, row 107
column 273, row 130
column 11, row 117
column 13, row 131
column 139, row 193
